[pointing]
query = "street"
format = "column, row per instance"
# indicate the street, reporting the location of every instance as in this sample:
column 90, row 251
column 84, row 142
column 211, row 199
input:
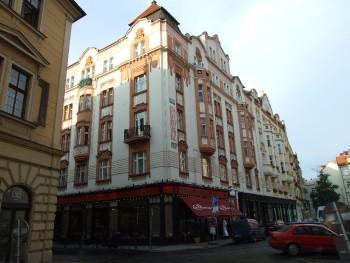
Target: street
column 241, row 253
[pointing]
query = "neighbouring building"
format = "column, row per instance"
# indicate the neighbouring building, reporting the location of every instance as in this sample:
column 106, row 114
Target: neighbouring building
column 155, row 126
column 34, row 42
column 310, row 211
column 339, row 174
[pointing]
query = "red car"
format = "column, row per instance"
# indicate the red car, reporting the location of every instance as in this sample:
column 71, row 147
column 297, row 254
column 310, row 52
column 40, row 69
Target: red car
column 300, row 238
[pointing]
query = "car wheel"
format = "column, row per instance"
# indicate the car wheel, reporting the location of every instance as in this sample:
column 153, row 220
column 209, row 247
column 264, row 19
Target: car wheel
column 293, row 249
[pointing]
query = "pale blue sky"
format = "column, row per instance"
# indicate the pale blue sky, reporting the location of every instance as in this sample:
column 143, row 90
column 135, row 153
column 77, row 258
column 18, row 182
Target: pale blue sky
column 297, row 51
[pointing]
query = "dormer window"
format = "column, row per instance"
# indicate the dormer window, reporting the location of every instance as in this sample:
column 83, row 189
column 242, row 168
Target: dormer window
column 30, row 11
column 139, row 49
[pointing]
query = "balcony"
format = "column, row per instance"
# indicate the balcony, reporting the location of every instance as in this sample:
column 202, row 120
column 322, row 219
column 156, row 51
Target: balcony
column 85, row 82
column 137, row 134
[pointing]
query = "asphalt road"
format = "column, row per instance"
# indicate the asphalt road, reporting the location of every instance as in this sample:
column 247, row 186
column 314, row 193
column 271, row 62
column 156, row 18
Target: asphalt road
column 258, row 252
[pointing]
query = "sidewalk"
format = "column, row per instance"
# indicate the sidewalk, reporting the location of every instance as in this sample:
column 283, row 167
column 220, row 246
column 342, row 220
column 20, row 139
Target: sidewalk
column 69, row 249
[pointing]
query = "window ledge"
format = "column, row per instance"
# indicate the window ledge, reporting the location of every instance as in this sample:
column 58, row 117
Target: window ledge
column 140, row 175
column 140, row 92
column 20, row 18
column 207, row 178
column 104, row 181
column 184, row 174
column 19, row 120
column 80, row 184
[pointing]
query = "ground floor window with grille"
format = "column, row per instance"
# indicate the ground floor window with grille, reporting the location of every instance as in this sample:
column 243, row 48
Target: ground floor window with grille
column 81, row 173
column 139, row 163
column 104, row 171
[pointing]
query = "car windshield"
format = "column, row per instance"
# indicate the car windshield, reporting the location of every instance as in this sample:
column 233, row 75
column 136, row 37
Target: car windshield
column 284, row 228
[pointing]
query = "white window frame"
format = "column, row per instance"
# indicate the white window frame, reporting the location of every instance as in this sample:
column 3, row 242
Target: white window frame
column 140, row 84
column 138, row 158
column 104, row 170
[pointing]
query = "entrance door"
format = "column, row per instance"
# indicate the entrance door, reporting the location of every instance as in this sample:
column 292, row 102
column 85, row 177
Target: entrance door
column 15, row 206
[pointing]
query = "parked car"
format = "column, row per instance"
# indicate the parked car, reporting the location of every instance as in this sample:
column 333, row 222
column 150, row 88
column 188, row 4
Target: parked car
column 247, row 230
column 302, row 238
column 274, row 226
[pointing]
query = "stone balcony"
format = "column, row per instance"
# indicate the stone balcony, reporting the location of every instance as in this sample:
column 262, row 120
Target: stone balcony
column 137, row 134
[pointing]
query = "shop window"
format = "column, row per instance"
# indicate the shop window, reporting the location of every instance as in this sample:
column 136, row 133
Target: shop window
column 81, row 173
column 168, row 219
column 139, row 163
column 17, row 93
column 30, row 11
column 206, row 167
column 140, row 83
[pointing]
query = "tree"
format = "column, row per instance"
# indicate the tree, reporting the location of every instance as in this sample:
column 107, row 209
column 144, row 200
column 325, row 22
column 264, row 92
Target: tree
column 324, row 192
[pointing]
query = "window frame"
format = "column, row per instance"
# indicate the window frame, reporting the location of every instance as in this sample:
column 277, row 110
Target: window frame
column 78, row 178
column 136, row 158
column 104, row 168
column 34, row 22
column 136, row 84
column 16, row 89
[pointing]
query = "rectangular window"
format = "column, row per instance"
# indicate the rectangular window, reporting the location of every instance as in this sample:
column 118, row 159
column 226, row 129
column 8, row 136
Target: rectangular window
column 140, row 83
column 246, row 149
column 17, row 93
column 104, row 98
column 243, row 121
column 178, row 50
column 209, row 95
column 217, row 108
column 206, row 171
column 62, row 178
column 110, row 96
column 234, row 175
column 183, row 161
column 200, row 93
column 139, row 163
column 223, row 172
column 88, row 103
column 103, row 131
column 109, row 130
column 81, row 103
column 279, row 148
column 104, row 170
column 65, row 112
column 30, row 11
column 180, row 120
column 203, row 127
column 229, row 116
column 81, row 173
column 178, row 82
column 139, row 49
column 248, row 178
column 86, row 135
column 72, row 82
column 105, row 63
column 67, row 83
column 111, row 63
column 88, row 73
column 271, row 160
column 7, row 2
column 80, row 136
column 70, row 111
column 268, row 140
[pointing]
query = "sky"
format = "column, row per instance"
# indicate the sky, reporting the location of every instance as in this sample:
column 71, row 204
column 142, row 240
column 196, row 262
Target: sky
column 297, row 51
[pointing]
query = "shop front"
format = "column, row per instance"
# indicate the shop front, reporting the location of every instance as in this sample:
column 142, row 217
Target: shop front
column 267, row 209
column 160, row 214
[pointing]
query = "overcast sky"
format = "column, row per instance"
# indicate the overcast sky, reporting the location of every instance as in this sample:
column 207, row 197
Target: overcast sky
column 297, row 51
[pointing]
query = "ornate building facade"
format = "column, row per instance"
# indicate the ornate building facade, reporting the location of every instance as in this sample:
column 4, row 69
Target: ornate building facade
column 34, row 41
column 154, row 127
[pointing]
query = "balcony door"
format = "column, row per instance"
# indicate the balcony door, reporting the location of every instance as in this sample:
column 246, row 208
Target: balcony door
column 140, row 122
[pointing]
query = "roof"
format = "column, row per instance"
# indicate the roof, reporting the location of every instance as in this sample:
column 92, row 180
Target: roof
column 81, row 12
column 153, row 8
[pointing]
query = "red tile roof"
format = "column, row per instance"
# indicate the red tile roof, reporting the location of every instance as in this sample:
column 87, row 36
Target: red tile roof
column 150, row 10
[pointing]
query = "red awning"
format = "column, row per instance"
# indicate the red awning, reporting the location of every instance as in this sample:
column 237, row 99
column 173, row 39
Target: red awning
column 202, row 206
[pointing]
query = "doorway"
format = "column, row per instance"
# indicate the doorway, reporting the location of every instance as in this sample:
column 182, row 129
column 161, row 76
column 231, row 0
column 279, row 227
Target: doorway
column 15, row 206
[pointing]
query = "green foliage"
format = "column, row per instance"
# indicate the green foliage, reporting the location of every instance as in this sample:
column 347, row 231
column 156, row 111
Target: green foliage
column 324, row 192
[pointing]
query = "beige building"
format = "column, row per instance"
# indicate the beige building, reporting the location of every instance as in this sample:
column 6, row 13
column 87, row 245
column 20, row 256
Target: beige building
column 155, row 126
column 34, row 42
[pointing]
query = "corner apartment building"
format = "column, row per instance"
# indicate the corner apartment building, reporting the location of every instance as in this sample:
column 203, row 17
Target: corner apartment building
column 34, row 41
column 154, row 126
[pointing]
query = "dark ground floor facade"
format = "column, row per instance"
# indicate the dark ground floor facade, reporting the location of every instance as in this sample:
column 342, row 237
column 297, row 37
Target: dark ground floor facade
column 160, row 214
column 267, row 209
